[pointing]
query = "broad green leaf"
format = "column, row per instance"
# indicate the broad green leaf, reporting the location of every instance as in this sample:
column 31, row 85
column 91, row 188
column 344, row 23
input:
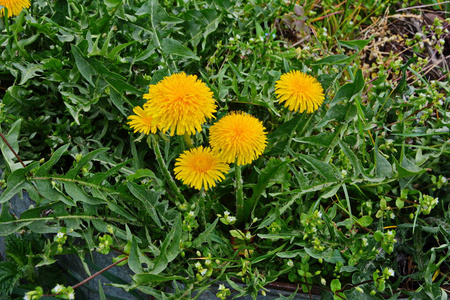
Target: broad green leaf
column 321, row 167
column 78, row 195
column 28, row 71
column 118, row 89
column 292, row 254
column 146, row 278
column 174, row 47
column 349, row 90
column 157, row 13
column 83, row 161
column 50, row 193
column 365, row 221
column 98, row 178
column 335, row 285
column 326, row 254
column 383, row 167
column 323, row 139
column 134, row 258
column 16, row 182
column 148, row 199
column 86, row 70
column 335, row 60
column 355, row 44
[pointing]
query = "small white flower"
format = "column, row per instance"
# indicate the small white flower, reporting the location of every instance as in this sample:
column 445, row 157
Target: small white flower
column 207, row 262
column 290, row 263
column 231, row 219
column 203, row 272
column 26, row 297
column 226, row 213
column 198, row 265
column 444, row 179
column 60, row 235
column 314, row 229
column 191, row 214
column 319, row 214
column 365, row 241
column 238, row 36
column 231, row 39
column 71, row 296
column 391, row 272
column 221, row 287
column 344, row 173
column 390, row 233
column 58, row 289
column 261, row 38
column 392, row 215
column 251, row 40
column 248, row 235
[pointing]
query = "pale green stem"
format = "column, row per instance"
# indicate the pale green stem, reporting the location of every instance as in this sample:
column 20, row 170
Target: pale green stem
column 240, row 213
column 202, row 207
column 169, row 179
column 188, row 141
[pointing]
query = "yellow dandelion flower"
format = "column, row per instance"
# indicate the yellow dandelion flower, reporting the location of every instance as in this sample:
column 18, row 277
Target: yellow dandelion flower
column 299, row 91
column 142, row 121
column 14, row 7
column 239, row 136
column 181, row 103
column 199, row 167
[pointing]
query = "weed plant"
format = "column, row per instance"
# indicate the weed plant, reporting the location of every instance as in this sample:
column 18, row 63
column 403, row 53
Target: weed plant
column 349, row 200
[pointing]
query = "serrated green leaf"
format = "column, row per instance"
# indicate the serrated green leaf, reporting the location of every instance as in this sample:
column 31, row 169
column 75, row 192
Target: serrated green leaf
column 383, row 166
column 148, row 198
column 321, row 167
column 133, row 259
column 28, row 71
column 85, row 69
column 83, row 161
column 16, row 182
column 78, row 195
column 174, row 47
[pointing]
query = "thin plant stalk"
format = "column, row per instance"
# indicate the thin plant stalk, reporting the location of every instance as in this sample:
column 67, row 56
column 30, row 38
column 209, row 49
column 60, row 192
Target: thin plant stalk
column 240, row 215
column 202, row 207
column 152, row 141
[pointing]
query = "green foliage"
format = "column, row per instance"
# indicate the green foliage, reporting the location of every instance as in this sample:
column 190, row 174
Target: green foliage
column 350, row 199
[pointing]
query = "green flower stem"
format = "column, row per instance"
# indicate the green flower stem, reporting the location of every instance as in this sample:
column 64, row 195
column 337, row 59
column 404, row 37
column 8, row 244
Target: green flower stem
column 179, row 198
column 240, row 215
column 188, row 141
column 202, row 207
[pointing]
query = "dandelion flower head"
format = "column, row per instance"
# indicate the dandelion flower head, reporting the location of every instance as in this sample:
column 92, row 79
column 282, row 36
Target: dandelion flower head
column 142, row 121
column 200, row 167
column 299, row 91
column 14, row 7
column 181, row 103
column 238, row 136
